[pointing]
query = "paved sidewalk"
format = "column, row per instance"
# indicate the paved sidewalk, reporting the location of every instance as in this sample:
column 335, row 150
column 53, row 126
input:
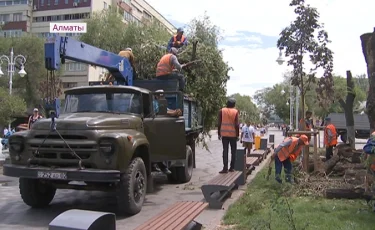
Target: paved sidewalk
column 16, row 215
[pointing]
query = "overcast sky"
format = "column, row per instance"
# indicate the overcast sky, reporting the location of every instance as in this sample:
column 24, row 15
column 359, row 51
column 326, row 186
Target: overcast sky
column 251, row 29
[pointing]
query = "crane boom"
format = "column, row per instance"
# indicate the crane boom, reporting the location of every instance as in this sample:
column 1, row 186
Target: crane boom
column 58, row 48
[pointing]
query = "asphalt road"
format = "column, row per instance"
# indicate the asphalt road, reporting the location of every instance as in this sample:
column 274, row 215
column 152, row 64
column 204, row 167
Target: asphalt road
column 14, row 214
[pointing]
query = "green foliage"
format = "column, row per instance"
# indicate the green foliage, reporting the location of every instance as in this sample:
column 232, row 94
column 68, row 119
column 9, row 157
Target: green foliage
column 11, row 105
column 271, row 99
column 306, row 37
column 33, row 49
column 248, row 110
column 205, row 82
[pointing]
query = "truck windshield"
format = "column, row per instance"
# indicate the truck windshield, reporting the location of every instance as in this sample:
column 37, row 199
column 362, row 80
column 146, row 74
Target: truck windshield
column 103, row 102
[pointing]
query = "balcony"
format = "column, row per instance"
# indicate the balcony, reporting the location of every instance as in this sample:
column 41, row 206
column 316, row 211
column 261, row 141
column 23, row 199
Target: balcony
column 124, row 6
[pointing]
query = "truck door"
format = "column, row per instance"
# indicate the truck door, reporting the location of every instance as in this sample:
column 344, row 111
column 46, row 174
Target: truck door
column 166, row 134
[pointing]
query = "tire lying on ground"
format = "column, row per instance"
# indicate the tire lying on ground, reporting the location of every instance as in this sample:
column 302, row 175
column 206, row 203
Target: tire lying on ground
column 35, row 193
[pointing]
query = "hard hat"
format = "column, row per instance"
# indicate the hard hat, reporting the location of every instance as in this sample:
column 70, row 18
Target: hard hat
column 35, row 110
column 304, row 139
column 180, row 30
column 231, row 102
column 129, row 49
column 173, row 50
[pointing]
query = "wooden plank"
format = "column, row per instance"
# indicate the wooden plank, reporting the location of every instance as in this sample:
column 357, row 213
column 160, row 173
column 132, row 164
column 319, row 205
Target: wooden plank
column 177, row 216
column 184, row 222
column 251, row 160
column 223, row 179
column 163, row 216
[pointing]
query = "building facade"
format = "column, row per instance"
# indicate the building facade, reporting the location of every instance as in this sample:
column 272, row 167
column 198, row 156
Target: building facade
column 26, row 16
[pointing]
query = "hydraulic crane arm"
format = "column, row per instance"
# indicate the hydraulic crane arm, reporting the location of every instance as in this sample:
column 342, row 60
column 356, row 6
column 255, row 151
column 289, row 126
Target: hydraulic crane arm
column 57, row 49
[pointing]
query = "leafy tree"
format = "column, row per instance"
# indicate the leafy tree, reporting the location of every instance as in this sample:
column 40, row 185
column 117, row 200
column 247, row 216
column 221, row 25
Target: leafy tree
column 33, row 49
column 207, row 83
column 244, row 104
column 11, row 105
column 306, row 37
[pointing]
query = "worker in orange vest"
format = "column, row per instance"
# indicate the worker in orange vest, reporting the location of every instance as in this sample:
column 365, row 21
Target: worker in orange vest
column 178, row 40
column 168, row 66
column 228, row 132
column 330, row 138
column 306, row 124
column 286, row 153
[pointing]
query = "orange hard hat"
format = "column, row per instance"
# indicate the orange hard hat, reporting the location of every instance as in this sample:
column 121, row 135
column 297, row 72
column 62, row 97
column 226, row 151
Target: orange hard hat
column 304, row 139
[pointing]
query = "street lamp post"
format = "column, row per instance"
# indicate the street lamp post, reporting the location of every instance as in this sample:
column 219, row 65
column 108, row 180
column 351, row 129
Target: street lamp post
column 280, row 60
column 11, row 60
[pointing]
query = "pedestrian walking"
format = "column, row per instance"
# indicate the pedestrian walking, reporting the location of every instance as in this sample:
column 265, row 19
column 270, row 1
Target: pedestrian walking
column 247, row 137
column 228, row 133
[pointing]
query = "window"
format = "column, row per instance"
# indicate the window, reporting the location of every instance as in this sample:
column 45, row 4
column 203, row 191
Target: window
column 56, row 2
column 126, row 1
column 11, row 33
column 66, row 2
column 48, row 2
column 105, row 5
column 41, row 2
column 103, row 102
column 17, row 17
column 61, row 17
column 67, row 85
column 4, row 17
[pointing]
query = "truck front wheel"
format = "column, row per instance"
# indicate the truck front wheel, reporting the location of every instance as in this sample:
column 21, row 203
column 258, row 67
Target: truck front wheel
column 132, row 188
column 35, row 193
column 183, row 174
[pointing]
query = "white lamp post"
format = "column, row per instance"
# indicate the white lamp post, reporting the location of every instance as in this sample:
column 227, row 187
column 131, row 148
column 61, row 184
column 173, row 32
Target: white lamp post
column 11, row 60
column 280, row 60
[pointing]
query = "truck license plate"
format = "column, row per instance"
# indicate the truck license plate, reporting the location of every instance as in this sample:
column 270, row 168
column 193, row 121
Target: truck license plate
column 52, row 175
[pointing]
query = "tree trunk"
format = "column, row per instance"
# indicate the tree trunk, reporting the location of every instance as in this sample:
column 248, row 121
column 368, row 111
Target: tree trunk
column 348, row 108
column 344, row 193
column 368, row 49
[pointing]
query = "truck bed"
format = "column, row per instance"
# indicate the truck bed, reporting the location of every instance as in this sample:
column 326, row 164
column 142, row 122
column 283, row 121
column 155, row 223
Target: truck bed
column 360, row 121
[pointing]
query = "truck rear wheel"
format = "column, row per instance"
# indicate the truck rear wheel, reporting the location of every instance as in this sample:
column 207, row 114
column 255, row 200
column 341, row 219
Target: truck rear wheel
column 35, row 193
column 183, row 174
column 132, row 188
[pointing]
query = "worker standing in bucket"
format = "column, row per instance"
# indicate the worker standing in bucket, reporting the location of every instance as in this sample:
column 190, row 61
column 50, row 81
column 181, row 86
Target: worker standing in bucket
column 286, row 153
column 178, row 40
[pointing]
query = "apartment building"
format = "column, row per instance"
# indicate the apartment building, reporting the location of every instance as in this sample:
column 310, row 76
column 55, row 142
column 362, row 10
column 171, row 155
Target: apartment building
column 26, row 16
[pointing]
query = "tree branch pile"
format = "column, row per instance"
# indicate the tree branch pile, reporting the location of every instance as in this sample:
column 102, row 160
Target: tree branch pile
column 342, row 176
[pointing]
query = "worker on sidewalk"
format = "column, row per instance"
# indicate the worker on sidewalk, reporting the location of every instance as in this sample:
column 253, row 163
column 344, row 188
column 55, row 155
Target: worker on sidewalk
column 228, row 132
column 169, row 68
column 128, row 53
column 286, row 153
column 178, row 40
column 330, row 137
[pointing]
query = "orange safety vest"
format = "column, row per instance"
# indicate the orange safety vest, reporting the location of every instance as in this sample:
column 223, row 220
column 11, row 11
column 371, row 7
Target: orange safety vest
column 228, row 123
column 181, row 40
column 292, row 151
column 307, row 128
column 332, row 128
column 164, row 66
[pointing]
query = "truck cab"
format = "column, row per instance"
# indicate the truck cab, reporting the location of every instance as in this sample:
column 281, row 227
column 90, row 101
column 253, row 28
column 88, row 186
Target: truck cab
column 106, row 138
